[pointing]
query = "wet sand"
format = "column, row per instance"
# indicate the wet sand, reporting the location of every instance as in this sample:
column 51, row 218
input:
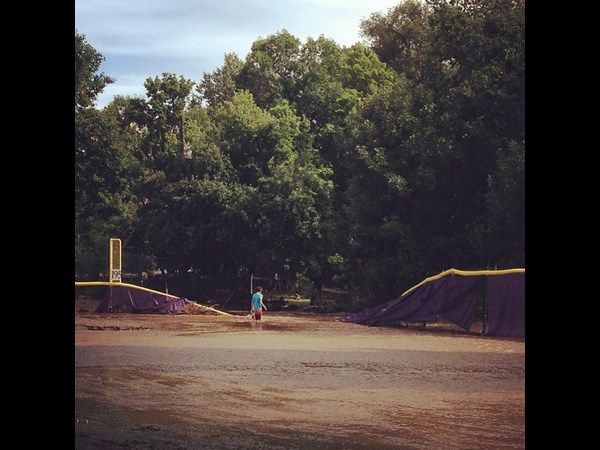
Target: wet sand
column 293, row 381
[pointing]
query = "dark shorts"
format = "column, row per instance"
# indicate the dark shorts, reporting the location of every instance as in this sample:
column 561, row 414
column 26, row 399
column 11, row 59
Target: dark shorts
column 257, row 314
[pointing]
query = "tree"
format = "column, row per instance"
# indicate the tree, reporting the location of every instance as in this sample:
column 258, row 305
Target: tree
column 88, row 82
column 335, row 82
column 244, row 130
column 168, row 98
column 477, row 67
column 272, row 69
column 102, row 204
column 294, row 200
column 401, row 37
column 221, row 85
column 388, row 203
column 505, row 201
column 105, row 176
column 441, row 159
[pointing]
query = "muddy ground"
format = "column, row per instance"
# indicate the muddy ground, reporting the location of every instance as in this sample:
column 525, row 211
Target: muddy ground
column 293, row 381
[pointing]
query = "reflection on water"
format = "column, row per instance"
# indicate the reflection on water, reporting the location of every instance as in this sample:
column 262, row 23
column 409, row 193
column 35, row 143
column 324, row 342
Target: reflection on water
column 263, row 325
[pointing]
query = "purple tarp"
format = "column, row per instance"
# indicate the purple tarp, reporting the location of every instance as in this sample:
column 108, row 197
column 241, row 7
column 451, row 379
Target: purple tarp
column 506, row 305
column 123, row 298
column 455, row 297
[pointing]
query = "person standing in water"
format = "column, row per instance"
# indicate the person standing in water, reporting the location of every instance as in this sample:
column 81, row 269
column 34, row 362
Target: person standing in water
column 256, row 304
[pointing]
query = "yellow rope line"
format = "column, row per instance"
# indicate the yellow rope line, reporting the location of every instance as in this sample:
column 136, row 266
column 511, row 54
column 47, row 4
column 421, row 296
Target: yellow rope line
column 467, row 273
column 141, row 288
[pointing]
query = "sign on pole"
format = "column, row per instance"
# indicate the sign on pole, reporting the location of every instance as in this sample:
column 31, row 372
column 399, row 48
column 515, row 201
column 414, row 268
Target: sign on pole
column 115, row 261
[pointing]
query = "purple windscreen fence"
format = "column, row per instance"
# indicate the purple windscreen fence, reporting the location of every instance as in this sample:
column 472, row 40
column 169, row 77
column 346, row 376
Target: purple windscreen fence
column 127, row 299
column 455, row 296
column 505, row 305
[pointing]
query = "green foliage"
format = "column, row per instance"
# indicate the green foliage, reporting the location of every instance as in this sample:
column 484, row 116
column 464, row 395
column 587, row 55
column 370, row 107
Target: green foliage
column 88, row 82
column 105, row 175
column 272, row 68
column 220, row 86
column 244, row 130
column 506, row 205
column 207, row 159
column 363, row 71
column 168, row 97
column 401, row 37
column 193, row 222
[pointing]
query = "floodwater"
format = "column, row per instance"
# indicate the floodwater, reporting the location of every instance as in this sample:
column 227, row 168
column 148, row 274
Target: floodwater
column 292, row 382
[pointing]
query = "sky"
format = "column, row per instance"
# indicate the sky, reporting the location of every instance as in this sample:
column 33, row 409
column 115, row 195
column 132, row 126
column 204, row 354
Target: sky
column 146, row 38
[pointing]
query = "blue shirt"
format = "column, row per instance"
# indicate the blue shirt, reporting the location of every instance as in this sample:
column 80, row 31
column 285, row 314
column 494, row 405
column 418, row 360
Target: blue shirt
column 256, row 299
